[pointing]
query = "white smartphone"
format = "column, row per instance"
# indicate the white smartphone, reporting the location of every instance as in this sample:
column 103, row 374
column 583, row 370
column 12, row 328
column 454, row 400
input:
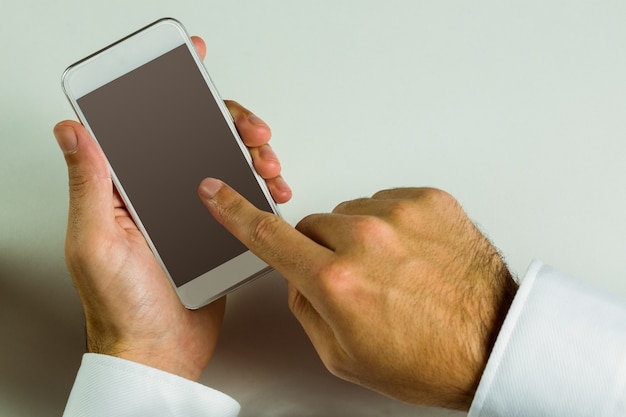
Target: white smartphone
column 150, row 104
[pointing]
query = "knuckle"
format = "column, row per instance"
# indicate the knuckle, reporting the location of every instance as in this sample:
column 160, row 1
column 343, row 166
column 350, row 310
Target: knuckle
column 400, row 209
column 85, row 251
column 296, row 301
column 307, row 223
column 264, row 228
column 83, row 181
column 436, row 196
column 339, row 280
column 78, row 185
column 341, row 207
column 369, row 228
column 347, row 207
column 365, row 225
column 228, row 211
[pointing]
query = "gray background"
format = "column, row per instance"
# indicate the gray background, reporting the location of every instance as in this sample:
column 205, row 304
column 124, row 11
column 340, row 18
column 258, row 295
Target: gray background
column 516, row 108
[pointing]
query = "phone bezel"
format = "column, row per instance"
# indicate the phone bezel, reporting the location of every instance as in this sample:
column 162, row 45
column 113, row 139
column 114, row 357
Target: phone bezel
column 122, row 57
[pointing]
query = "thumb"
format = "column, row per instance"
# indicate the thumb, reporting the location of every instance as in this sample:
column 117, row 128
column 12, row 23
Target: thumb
column 268, row 236
column 90, row 187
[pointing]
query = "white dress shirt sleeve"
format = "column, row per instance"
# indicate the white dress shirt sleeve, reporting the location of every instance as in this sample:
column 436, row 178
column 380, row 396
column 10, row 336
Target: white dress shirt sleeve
column 561, row 352
column 110, row 386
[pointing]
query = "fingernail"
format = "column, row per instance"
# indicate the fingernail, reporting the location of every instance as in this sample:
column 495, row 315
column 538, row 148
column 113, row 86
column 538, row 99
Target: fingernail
column 256, row 120
column 209, row 187
column 66, row 138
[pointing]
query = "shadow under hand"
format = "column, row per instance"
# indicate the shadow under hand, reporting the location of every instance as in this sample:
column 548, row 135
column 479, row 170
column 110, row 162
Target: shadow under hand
column 42, row 338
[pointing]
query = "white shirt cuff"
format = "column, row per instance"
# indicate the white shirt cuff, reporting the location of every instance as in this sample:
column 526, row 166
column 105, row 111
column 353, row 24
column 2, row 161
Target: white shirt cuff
column 561, row 352
column 107, row 386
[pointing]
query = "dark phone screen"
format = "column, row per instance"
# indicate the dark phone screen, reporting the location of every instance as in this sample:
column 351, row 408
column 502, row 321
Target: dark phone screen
column 163, row 133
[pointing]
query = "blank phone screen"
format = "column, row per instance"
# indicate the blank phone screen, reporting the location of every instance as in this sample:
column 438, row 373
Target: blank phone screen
column 163, row 132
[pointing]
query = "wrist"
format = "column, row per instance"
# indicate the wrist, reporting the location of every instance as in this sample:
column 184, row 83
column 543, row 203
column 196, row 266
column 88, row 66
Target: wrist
column 156, row 353
column 162, row 358
column 492, row 318
column 163, row 361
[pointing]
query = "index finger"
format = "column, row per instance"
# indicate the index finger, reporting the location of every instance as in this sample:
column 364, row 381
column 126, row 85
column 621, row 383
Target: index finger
column 269, row 237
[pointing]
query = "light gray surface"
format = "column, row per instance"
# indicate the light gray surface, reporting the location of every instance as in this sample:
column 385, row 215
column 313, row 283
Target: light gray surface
column 515, row 108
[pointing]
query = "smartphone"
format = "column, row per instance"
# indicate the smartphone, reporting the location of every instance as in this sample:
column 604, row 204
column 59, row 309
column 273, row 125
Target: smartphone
column 150, row 104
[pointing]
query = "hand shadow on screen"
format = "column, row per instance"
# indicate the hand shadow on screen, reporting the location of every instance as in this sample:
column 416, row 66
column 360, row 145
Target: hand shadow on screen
column 40, row 349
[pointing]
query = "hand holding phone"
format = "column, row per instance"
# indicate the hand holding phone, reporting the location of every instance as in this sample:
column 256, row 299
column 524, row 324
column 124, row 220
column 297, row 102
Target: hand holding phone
column 130, row 308
column 153, row 109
